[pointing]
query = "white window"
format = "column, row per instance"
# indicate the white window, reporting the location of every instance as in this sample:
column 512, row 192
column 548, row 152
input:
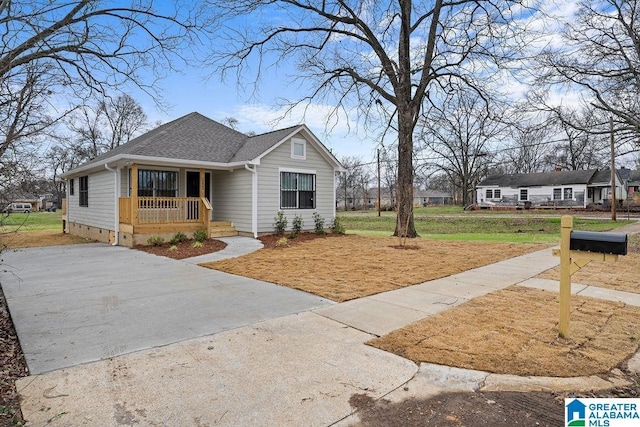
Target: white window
column 496, row 194
column 298, row 148
column 524, row 194
column 489, row 194
column 557, row 193
column 568, row 193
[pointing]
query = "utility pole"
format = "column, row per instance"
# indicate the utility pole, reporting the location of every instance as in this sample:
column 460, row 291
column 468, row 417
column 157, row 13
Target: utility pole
column 613, row 173
column 378, row 182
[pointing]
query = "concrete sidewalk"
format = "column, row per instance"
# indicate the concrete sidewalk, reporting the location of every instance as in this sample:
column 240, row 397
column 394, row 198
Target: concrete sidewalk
column 382, row 313
column 301, row 369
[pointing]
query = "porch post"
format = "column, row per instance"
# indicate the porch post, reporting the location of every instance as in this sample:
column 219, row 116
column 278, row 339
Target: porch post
column 203, row 209
column 134, row 194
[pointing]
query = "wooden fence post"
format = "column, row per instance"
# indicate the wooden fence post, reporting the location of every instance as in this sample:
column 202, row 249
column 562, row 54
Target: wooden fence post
column 565, row 274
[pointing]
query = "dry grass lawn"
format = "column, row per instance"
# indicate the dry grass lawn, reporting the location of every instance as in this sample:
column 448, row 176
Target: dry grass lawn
column 347, row 267
column 514, row 331
column 32, row 239
column 621, row 276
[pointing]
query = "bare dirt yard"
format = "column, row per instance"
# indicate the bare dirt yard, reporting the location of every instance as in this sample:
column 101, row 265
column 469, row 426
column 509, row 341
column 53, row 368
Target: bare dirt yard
column 38, row 238
column 621, row 276
column 514, row 331
column 342, row 268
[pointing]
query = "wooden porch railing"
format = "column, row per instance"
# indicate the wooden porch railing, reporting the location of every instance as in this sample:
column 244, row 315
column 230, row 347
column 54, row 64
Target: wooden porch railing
column 165, row 210
column 162, row 210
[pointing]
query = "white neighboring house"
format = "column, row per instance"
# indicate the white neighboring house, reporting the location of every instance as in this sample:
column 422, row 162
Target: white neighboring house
column 559, row 188
column 194, row 173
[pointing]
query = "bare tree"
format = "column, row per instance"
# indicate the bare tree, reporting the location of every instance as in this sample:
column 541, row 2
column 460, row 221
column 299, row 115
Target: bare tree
column 461, row 134
column 104, row 125
column 530, row 143
column 125, row 118
column 600, row 55
column 350, row 182
column 370, row 55
column 77, row 48
column 578, row 148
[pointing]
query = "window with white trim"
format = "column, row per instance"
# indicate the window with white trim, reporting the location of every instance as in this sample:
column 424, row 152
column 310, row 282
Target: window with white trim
column 568, row 193
column 83, row 200
column 298, row 148
column 71, row 187
column 297, row 190
column 489, row 193
column 524, row 194
column 497, row 193
column 557, row 193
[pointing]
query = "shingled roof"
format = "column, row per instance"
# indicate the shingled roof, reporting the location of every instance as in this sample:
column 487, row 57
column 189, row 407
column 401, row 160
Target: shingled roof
column 539, row 179
column 196, row 137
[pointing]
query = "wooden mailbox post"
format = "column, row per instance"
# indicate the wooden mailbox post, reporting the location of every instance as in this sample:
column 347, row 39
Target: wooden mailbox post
column 578, row 249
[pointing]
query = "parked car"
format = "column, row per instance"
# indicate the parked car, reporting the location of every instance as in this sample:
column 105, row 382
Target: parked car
column 18, row 207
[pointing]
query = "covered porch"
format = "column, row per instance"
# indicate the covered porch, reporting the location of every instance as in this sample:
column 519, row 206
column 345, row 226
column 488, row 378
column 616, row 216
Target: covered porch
column 154, row 214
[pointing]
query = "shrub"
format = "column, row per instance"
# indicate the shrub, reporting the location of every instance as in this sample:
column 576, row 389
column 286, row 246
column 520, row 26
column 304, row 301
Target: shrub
column 178, row 238
column 280, row 223
column 200, row 236
column 282, row 242
column 197, row 244
column 296, row 226
column 173, row 248
column 337, row 226
column 155, row 241
column 319, row 223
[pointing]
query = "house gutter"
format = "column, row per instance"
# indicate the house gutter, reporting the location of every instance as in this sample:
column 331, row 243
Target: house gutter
column 116, row 204
column 254, row 199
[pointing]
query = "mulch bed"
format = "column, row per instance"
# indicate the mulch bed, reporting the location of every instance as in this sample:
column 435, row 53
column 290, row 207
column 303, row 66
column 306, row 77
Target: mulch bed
column 184, row 249
column 13, row 367
column 270, row 241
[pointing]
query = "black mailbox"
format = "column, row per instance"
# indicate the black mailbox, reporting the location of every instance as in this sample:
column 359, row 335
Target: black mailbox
column 605, row 243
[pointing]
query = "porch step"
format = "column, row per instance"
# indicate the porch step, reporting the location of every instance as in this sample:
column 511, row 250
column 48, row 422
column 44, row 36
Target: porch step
column 222, row 229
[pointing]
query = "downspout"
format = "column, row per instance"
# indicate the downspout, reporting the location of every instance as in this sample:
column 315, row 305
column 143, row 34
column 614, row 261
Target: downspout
column 116, row 201
column 254, row 199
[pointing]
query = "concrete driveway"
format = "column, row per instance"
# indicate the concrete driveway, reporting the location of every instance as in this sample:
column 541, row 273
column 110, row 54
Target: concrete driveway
column 82, row 303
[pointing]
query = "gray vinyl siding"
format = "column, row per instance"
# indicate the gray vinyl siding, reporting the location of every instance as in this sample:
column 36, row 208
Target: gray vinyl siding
column 269, row 186
column 231, row 198
column 101, row 210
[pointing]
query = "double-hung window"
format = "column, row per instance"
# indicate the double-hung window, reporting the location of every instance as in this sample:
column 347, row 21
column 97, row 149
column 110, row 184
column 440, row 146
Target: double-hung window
column 568, row 193
column 524, row 194
column 489, row 194
column 297, row 190
column 83, row 191
column 557, row 193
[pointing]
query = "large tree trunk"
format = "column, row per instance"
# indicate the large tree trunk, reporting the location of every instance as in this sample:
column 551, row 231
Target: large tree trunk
column 404, row 189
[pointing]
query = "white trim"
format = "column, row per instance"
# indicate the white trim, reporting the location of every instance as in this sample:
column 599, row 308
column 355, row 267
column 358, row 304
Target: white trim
column 298, row 141
column 254, row 199
column 295, row 170
column 155, row 161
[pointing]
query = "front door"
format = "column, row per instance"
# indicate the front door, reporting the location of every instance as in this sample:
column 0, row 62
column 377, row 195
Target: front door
column 193, row 190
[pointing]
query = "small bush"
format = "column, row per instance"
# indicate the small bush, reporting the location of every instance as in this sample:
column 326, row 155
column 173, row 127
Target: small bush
column 337, row 226
column 200, row 236
column 173, row 248
column 197, row 244
column 282, row 242
column 155, row 241
column 296, row 226
column 319, row 223
column 280, row 223
column 178, row 238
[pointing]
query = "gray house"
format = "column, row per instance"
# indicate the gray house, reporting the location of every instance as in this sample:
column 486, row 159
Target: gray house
column 196, row 174
column 557, row 189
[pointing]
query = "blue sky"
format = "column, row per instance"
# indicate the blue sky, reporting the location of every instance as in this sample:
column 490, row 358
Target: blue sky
column 261, row 111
